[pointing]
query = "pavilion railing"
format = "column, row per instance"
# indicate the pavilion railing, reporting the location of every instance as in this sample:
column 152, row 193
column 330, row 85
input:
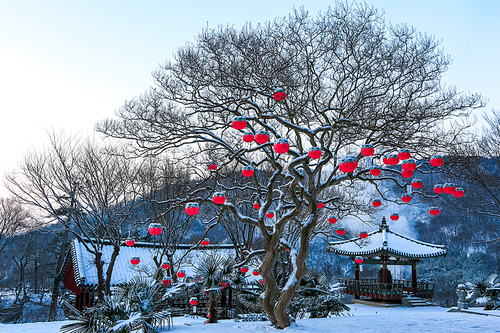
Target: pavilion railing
column 386, row 291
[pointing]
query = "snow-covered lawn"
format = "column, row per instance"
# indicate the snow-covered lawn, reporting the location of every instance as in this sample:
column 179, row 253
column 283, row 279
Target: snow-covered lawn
column 362, row 319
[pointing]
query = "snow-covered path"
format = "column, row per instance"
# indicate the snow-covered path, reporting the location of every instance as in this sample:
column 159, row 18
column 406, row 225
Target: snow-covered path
column 362, row 318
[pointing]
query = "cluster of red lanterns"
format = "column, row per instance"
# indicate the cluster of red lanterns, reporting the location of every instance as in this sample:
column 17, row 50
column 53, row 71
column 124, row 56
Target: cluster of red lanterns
column 155, row 229
column 391, row 159
column 192, row 208
column 348, row 164
column 219, row 198
column 449, row 188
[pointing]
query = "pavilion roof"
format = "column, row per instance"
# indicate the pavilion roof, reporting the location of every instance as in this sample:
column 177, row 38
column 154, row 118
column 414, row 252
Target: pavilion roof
column 386, row 241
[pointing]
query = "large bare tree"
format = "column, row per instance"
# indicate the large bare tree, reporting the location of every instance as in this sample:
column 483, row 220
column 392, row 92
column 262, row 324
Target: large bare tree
column 14, row 219
column 332, row 82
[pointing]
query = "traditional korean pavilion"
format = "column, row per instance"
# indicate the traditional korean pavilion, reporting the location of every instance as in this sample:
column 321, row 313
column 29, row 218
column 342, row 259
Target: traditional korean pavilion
column 385, row 247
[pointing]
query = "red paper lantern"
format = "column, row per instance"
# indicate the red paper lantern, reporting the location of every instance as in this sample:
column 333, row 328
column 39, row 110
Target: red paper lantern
column 269, row 215
column 436, row 160
column 434, row 211
column 181, row 274
column 239, row 123
column 417, row 183
column 394, row 216
column 449, row 188
column 363, row 234
column 255, row 272
column 166, row 282
column 406, row 198
column 192, row 208
column 409, row 165
column 219, row 198
column 348, row 164
column 407, row 174
column 375, row 170
column 256, row 205
column 261, row 137
column 314, row 153
column 212, row 166
column 332, row 220
column 279, row 95
column 135, row 260
column 340, row 231
column 193, row 301
column 377, row 203
column 281, row 146
column 205, row 242
column 459, row 192
column 438, row 189
column 404, row 154
column 154, row 229
column 248, row 137
column 165, row 265
column 321, row 204
column 358, row 260
column 244, row 269
column 367, row 150
column 130, row 242
column 391, row 159
column 247, row 171
column 224, row 283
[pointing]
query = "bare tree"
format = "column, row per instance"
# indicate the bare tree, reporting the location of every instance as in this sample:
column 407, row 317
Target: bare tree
column 89, row 192
column 13, row 219
column 333, row 83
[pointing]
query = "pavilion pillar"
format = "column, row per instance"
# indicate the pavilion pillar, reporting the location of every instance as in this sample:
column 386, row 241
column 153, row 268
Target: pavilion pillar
column 385, row 278
column 414, row 278
column 356, row 277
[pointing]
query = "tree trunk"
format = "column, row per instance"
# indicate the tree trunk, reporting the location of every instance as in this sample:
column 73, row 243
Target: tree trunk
column 212, row 310
column 57, row 279
column 35, row 277
column 109, row 272
column 100, row 276
column 268, row 302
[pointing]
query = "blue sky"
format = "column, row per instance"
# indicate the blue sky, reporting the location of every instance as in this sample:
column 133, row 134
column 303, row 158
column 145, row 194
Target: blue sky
column 67, row 64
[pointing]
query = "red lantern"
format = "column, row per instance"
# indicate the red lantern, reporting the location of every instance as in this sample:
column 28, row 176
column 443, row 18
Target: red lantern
column 181, row 274
column 279, row 96
column 193, row 301
column 417, row 183
column 404, row 154
column 391, row 159
column 348, row 164
column 436, row 160
column 192, row 208
column 377, row 203
column 358, row 260
column 269, row 215
column 394, row 216
column 281, row 146
column 247, row 171
column 449, row 188
column 407, row 174
column 205, row 242
column 135, row 260
column 363, row 234
column 256, row 205
column 165, row 265
column 409, row 165
column 248, row 137
column 434, row 211
column 255, row 272
column 375, row 170
column 212, row 166
column 314, row 153
column 224, row 283
column 239, row 123
column 219, row 198
column 154, row 229
column 261, row 281
column 406, row 198
column 261, row 137
column 321, row 204
column 130, row 242
column 167, row 281
column 438, row 189
column 459, row 192
column 332, row 220
column 340, row 231
column 244, row 269
column 367, row 150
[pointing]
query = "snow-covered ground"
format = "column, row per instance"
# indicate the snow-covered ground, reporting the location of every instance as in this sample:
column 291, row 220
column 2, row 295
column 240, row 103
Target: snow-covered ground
column 361, row 318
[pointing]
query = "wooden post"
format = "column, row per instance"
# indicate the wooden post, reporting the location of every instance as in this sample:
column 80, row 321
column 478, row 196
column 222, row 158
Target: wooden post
column 414, row 278
column 356, row 277
column 384, row 274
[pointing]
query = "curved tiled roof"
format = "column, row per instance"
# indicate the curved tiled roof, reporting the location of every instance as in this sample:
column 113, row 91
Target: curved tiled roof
column 388, row 241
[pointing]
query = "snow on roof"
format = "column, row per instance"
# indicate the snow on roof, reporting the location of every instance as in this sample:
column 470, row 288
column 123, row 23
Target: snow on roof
column 386, row 240
column 124, row 271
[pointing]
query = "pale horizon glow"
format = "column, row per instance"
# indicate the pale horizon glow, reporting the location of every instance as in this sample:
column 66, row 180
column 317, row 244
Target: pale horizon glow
column 65, row 65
